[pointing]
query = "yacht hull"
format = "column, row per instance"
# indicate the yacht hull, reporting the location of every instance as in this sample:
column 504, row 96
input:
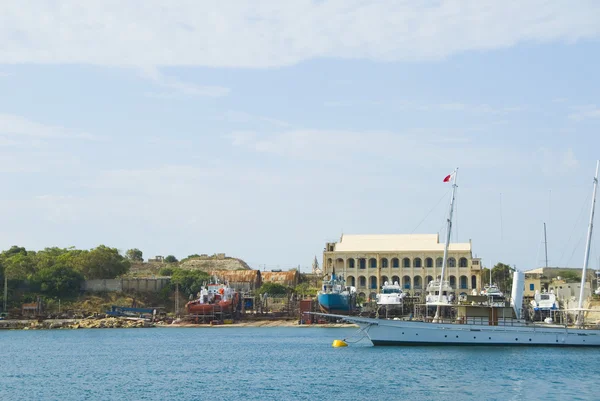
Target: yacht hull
column 399, row 332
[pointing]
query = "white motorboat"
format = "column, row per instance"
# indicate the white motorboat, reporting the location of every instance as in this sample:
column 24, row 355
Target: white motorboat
column 391, row 295
column 492, row 290
column 433, row 297
column 544, row 301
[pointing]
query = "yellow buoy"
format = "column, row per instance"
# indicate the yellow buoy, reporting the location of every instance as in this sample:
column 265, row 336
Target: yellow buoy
column 339, row 343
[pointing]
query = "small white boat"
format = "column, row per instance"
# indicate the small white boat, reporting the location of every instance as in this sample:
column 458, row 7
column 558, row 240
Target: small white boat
column 492, row 290
column 391, row 295
column 433, row 293
column 544, row 301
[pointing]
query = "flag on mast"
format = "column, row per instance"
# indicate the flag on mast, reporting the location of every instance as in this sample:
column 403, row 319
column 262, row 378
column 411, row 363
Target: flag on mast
column 449, row 176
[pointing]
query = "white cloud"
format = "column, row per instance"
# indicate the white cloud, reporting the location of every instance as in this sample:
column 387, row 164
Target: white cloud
column 585, row 112
column 240, row 138
column 176, row 86
column 244, row 117
column 357, row 149
column 556, row 162
column 13, row 125
column 275, row 33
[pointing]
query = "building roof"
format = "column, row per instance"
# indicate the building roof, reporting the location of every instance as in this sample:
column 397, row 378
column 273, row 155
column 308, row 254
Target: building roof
column 279, row 277
column 238, row 276
column 395, row 243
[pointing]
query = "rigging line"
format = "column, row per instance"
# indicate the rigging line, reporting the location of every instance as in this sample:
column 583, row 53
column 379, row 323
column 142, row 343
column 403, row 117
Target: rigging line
column 583, row 209
column 455, row 225
column 436, row 205
column 575, row 248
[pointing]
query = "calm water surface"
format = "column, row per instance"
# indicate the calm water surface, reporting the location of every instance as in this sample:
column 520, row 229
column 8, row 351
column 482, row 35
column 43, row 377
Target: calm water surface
column 278, row 363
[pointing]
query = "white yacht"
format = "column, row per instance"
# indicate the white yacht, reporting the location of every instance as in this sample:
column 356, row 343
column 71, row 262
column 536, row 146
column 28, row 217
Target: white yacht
column 433, row 297
column 391, row 295
column 544, row 301
column 492, row 290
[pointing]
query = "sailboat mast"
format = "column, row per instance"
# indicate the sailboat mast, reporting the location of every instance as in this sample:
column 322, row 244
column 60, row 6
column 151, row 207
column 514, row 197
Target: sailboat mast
column 587, row 248
column 546, row 245
column 448, row 232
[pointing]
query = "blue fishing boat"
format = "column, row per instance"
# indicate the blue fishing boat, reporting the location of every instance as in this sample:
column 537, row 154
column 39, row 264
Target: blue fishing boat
column 336, row 297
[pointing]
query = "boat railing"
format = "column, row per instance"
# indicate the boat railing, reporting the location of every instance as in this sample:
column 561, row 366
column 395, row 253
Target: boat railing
column 483, row 321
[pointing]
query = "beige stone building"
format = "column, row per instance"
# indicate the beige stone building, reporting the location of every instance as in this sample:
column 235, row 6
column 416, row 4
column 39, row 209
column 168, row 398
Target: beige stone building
column 367, row 261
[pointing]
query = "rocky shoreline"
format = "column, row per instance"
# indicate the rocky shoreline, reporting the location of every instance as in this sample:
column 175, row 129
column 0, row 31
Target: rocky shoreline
column 114, row 323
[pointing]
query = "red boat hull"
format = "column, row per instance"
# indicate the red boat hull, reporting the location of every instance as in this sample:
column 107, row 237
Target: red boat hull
column 203, row 309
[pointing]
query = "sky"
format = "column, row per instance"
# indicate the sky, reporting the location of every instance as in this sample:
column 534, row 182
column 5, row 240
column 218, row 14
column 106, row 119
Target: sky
column 264, row 129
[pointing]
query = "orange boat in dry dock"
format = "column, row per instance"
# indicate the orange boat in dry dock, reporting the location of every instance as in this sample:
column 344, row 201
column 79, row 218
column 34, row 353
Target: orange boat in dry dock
column 216, row 297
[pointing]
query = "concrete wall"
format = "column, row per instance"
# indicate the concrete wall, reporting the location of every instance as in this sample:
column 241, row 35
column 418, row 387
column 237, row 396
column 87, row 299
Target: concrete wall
column 126, row 285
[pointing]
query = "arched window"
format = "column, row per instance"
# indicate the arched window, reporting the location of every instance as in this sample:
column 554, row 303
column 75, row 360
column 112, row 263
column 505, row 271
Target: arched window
column 462, row 262
column 439, row 262
column 464, row 282
column 428, row 262
column 351, row 281
column 384, row 262
column 428, row 279
column 452, row 281
column 406, row 262
column 351, row 263
column 373, row 282
column 384, row 279
column 395, row 262
column 329, row 262
column 395, row 279
column 339, row 264
column 406, row 282
column 362, row 281
column 418, row 285
column 373, row 263
column 362, row 295
column 417, row 262
column 362, row 263
column 372, row 296
column 451, row 262
column 473, row 282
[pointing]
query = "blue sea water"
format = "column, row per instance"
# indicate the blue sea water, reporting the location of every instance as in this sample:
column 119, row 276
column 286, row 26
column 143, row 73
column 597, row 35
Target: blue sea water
column 229, row 363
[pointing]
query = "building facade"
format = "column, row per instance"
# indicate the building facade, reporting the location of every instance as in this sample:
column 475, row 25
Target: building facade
column 367, row 261
column 546, row 278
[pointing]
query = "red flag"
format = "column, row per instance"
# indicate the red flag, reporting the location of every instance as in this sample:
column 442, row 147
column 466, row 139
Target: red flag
column 449, row 176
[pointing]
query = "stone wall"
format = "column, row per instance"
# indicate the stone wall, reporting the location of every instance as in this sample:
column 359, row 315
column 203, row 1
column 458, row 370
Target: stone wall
column 126, row 285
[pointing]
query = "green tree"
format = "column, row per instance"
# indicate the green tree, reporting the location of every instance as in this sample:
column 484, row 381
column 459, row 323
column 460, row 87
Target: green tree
column 190, row 281
column 171, row 259
column 49, row 256
column 104, row 263
column 305, row 289
column 134, row 255
column 272, row 288
column 570, row 276
column 19, row 266
column 166, row 271
column 58, row 280
column 502, row 276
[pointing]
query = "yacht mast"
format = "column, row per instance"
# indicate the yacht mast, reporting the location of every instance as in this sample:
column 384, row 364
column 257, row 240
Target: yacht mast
column 546, row 244
column 586, row 257
column 448, row 232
